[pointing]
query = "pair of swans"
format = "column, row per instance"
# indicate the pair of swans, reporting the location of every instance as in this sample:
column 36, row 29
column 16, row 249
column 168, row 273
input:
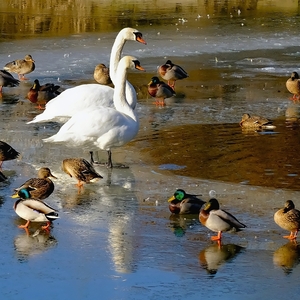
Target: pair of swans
column 101, row 117
column 72, row 100
column 104, row 127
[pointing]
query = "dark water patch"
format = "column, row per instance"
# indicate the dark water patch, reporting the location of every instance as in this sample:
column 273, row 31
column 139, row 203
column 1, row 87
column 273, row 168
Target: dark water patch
column 225, row 152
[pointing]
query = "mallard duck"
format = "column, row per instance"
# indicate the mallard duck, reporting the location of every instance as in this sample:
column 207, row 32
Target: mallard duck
column 159, row 90
column 21, row 66
column 33, row 210
column 183, row 203
column 7, row 152
column 42, row 94
column 293, row 85
column 218, row 220
column 171, row 73
column 80, row 169
column 256, row 122
column 39, row 188
column 101, row 74
column 6, row 79
column 288, row 218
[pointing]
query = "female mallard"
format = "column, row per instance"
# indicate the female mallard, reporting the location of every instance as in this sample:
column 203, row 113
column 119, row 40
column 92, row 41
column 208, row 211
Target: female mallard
column 218, row 220
column 7, row 152
column 33, row 210
column 42, row 94
column 256, row 122
column 38, row 188
column 101, row 74
column 183, row 203
column 80, row 169
column 288, row 218
column 171, row 73
column 21, row 66
column 6, row 79
column 159, row 90
column 293, row 85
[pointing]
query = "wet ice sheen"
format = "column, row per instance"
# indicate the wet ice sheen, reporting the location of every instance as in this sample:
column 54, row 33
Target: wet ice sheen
column 109, row 241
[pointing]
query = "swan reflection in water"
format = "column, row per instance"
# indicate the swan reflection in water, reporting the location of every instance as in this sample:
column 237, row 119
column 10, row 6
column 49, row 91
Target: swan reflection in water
column 287, row 257
column 30, row 244
column 214, row 256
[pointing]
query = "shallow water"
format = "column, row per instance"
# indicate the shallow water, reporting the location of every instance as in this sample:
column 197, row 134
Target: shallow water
column 116, row 238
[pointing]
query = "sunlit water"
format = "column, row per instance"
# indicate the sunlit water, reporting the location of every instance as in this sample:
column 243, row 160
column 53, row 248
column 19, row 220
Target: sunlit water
column 116, row 238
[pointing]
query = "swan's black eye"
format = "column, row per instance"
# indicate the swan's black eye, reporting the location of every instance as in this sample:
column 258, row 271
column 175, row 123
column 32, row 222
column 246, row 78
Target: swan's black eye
column 138, row 35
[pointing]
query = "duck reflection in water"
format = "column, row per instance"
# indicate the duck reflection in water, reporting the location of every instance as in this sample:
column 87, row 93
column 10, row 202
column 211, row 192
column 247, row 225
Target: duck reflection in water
column 287, row 257
column 33, row 243
column 214, row 256
column 180, row 223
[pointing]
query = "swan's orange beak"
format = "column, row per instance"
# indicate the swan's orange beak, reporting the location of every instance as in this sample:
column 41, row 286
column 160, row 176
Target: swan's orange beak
column 141, row 40
column 138, row 67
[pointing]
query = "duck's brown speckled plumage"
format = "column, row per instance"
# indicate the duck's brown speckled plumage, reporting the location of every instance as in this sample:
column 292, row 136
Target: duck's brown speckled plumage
column 21, row 66
column 80, row 169
column 288, row 218
column 293, row 85
column 39, row 188
column 256, row 122
column 101, row 74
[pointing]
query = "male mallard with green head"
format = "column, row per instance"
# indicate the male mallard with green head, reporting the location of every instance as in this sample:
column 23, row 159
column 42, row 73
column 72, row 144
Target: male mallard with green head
column 218, row 220
column 33, row 210
column 171, row 73
column 183, row 203
column 159, row 90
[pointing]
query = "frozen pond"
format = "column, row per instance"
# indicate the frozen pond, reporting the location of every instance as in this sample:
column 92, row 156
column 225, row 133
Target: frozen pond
column 116, row 239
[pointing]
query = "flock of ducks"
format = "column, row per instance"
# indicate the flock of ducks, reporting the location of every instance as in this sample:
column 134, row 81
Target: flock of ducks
column 30, row 205
column 218, row 220
column 99, row 116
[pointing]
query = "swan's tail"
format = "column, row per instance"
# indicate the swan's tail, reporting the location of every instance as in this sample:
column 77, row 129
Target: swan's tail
column 40, row 118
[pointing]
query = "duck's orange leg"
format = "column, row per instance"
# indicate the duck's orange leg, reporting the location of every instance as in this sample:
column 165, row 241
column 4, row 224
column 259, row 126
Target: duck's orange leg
column 292, row 236
column 25, row 225
column 160, row 102
column 217, row 237
column 46, row 227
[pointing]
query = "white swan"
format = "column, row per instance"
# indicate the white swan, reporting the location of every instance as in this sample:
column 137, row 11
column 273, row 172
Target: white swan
column 80, row 97
column 104, row 127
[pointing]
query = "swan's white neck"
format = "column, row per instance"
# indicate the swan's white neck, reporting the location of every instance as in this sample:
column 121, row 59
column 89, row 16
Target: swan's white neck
column 115, row 57
column 119, row 98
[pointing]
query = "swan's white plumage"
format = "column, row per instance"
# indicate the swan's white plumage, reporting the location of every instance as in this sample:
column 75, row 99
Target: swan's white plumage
column 76, row 99
column 105, row 127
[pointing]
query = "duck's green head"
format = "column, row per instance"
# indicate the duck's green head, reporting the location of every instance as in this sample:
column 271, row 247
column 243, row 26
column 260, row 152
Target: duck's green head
column 178, row 195
column 23, row 193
